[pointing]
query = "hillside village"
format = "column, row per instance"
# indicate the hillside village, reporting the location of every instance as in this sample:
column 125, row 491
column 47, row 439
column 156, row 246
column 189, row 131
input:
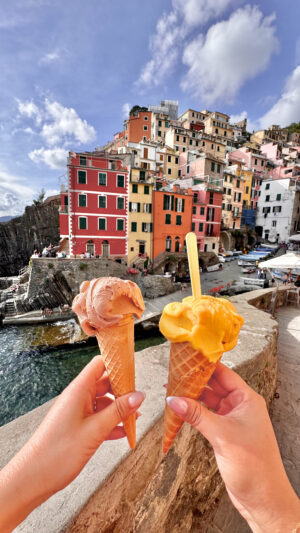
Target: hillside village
column 163, row 175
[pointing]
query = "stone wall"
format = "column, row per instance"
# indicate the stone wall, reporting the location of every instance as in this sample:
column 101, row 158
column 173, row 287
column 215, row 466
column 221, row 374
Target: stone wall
column 144, row 491
column 20, row 236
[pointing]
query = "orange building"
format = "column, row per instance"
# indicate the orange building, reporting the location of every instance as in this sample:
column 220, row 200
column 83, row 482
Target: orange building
column 138, row 127
column 172, row 219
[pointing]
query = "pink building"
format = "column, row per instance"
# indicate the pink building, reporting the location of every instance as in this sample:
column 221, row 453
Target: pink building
column 93, row 215
column 251, row 158
column 206, row 218
column 284, row 172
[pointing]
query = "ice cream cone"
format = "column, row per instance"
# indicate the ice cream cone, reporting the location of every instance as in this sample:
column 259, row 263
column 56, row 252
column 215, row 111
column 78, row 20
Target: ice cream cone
column 116, row 344
column 189, row 372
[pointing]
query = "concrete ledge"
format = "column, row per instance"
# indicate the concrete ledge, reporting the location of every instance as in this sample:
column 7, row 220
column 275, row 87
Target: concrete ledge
column 142, row 491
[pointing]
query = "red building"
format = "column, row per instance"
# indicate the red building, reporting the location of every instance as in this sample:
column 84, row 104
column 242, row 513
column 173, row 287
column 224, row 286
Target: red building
column 206, row 217
column 94, row 210
column 172, row 219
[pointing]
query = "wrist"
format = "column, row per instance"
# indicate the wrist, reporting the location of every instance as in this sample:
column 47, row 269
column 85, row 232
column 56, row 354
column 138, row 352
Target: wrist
column 279, row 520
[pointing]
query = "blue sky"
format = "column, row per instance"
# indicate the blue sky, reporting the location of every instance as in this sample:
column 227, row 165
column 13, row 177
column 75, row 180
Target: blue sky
column 70, row 70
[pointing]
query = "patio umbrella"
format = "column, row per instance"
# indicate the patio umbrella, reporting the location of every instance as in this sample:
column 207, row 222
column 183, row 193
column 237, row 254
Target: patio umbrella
column 295, row 238
column 289, row 261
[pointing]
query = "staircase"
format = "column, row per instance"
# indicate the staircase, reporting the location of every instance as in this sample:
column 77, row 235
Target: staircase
column 10, row 308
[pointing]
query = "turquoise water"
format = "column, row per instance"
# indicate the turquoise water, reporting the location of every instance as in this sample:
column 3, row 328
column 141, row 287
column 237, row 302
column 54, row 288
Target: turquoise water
column 30, row 376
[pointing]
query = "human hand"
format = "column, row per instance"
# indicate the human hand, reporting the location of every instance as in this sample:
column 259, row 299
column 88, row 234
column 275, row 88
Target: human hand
column 236, row 423
column 79, row 421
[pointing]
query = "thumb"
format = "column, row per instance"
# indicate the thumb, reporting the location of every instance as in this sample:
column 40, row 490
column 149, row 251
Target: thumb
column 212, row 426
column 118, row 411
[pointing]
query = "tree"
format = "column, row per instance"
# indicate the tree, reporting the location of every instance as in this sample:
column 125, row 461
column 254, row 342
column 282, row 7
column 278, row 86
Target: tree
column 294, row 127
column 136, row 108
column 40, row 198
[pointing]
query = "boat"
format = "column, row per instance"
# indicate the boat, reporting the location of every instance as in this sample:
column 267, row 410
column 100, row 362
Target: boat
column 248, row 270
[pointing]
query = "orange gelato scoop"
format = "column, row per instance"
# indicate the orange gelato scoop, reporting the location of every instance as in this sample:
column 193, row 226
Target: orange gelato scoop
column 103, row 302
column 211, row 325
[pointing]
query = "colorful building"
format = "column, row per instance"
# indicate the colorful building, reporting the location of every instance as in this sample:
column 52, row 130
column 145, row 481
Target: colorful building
column 140, row 219
column 206, row 217
column 172, row 219
column 138, row 127
column 94, row 210
column 232, row 198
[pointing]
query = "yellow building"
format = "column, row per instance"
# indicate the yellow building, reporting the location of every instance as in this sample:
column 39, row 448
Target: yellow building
column 218, row 124
column 247, row 176
column 160, row 123
column 140, row 218
column 233, row 190
column 170, row 158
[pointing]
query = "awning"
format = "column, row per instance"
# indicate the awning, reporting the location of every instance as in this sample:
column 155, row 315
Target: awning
column 290, row 261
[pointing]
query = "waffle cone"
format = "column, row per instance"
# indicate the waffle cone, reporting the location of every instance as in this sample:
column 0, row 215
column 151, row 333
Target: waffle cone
column 116, row 345
column 189, row 372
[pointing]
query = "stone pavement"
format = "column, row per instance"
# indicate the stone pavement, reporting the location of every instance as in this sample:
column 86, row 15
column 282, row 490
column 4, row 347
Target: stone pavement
column 285, row 415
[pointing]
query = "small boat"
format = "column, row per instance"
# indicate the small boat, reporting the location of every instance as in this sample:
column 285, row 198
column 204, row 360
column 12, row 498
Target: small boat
column 248, row 270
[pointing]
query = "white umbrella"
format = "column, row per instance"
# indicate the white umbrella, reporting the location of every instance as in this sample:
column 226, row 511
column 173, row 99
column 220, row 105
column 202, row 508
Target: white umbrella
column 295, row 238
column 291, row 260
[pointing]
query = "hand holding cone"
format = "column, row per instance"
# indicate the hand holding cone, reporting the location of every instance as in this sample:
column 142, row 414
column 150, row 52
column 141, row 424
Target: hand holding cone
column 105, row 308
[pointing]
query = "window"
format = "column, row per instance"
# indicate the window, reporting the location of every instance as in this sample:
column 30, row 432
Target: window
column 120, row 224
column 218, row 168
column 218, row 148
column 102, row 223
column 82, row 160
column 178, row 220
column 183, row 148
column 202, row 210
column 211, row 197
column 247, row 190
column 145, row 128
column 212, row 146
column 217, row 130
column 166, row 124
column 193, row 226
column 267, row 198
column 146, row 189
column 188, row 169
column 120, row 181
column 238, row 184
column 145, row 118
column 274, row 223
column 147, row 208
column 177, row 137
column 184, row 139
column 267, row 186
column 266, row 210
column 176, row 160
column 120, row 203
column 213, row 246
column 134, row 188
column 168, row 203
column 135, row 207
column 159, row 123
column 101, row 178
column 82, row 200
column 213, row 166
column 147, row 227
column 191, row 142
column 277, row 209
column 169, row 171
column 179, row 205
column 82, row 223
column 81, row 176
column 159, row 133
column 203, row 143
column 169, row 158
column 133, row 226
column 255, row 161
column 262, row 163
column 168, row 218
column 225, row 133
column 197, row 143
column 101, row 201
column 278, row 196
column 201, row 226
column 194, row 209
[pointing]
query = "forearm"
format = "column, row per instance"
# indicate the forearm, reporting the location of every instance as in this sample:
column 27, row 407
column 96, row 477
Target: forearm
column 20, row 490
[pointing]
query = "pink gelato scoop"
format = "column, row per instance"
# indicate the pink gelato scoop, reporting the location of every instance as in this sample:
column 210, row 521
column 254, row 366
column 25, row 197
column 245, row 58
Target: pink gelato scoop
column 103, row 302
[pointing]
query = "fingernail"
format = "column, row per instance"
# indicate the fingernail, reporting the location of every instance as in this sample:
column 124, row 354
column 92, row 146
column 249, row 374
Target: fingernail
column 136, row 398
column 177, row 404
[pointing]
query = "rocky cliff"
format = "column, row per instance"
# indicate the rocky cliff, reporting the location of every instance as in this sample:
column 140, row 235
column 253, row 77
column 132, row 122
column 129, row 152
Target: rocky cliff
column 20, row 236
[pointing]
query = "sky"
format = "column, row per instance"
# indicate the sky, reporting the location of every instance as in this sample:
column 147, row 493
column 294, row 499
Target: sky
column 72, row 69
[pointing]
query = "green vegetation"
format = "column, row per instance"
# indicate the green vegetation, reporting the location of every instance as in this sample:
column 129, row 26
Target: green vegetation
column 136, row 108
column 50, row 265
column 294, row 127
column 82, row 266
column 40, row 198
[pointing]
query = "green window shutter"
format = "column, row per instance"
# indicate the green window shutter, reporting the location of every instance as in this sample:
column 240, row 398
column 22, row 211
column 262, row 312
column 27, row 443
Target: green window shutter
column 146, row 189
column 213, row 166
column 120, row 225
column 178, row 220
column 176, row 204
column 120, row 181
column 81, row 176
column 166, row 202
column 134, row 188
column 172, row 203
column 168, row 218
column 66, row 200
column 82, row 200
column 130, row 206
column 183, row 200
column 82, row 223
column 151, row 227
column 101, row 223
column 278, row 197
column 102, row 202
column 101, row 178
column 139, row 207
column 150, row 208
column 133, row 226
column 120, row 203
column 193, row 226
column 201, row 226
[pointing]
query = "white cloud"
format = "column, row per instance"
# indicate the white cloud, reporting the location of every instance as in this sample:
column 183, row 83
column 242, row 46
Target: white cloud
column 171, row 30
column 232, row 52
column 287, row 108
column 14, row 195
column 65, row 124
column 125, row 109
column 55, row 158
column 29, row 109
column 50, row 57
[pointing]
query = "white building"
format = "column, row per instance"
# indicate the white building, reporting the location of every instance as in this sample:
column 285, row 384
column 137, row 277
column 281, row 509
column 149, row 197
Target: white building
column 278, row 209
